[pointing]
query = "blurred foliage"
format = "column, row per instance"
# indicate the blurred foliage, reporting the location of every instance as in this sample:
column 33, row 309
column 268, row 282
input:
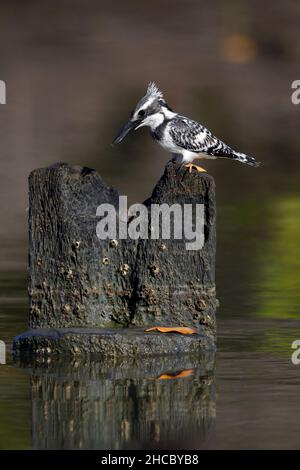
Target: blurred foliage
column 279, row 296
column 239, row 48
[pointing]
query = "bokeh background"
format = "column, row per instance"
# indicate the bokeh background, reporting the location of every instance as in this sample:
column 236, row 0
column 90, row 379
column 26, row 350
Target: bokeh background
column 74, row 70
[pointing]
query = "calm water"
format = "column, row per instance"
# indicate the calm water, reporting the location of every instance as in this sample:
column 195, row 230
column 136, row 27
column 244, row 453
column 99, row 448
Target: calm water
column 245, row 396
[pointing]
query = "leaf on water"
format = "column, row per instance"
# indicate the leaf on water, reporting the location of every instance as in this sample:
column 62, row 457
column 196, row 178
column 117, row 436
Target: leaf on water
column 179, row 375
column 184, row 330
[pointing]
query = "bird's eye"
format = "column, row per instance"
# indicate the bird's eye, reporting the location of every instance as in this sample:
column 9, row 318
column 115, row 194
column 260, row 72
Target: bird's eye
column 141, row 113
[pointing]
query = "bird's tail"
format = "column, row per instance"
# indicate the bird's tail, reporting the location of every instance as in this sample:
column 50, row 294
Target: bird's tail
column 243, row 158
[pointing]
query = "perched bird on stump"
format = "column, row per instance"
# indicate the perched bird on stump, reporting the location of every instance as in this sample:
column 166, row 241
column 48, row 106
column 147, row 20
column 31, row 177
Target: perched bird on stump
column 178, row 134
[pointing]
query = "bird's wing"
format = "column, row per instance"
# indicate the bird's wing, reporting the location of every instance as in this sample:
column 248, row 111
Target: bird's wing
column 194, row 137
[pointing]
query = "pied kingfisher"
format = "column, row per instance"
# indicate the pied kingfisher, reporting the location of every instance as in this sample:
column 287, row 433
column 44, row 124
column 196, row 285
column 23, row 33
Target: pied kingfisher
column 178, row 134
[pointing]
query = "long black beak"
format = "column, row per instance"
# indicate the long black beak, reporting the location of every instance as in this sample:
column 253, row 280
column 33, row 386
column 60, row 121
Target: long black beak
column 129, row 126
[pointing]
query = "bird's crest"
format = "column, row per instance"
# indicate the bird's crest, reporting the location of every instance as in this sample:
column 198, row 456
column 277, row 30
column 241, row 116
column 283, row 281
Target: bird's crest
column 154, row 91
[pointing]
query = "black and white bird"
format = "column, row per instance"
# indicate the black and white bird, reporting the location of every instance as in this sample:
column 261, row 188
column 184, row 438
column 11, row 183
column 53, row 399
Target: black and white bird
column 178, row 134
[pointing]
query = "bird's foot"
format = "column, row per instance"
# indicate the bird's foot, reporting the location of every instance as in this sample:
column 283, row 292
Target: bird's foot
column 190, row 167
column 180, row 168
column 175, row 158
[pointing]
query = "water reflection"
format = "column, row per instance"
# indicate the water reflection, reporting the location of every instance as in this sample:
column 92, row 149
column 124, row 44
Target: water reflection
column 153, row 402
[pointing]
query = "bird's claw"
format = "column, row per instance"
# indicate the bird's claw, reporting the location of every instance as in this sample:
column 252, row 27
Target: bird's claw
column 191, row 166
column 180, row 168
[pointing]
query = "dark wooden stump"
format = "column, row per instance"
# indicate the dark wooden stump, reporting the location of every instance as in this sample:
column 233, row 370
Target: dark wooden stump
column 173, row 284
column 77, row 280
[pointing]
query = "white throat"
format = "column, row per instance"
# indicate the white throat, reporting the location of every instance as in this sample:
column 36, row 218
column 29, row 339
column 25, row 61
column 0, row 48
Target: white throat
column 153, row 121
column 168, row 113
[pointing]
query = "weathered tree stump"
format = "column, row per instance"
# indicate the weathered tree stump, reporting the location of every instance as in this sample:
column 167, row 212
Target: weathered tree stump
column 78, row 281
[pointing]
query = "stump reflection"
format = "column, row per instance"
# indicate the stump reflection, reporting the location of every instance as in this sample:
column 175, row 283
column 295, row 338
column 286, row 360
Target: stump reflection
column 149, row 403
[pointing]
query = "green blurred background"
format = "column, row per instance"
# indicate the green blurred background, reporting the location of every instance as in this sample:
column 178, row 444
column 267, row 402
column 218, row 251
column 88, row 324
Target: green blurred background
column 74, row 70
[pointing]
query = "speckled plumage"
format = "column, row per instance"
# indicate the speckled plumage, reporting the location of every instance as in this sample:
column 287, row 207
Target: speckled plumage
column 178, row 134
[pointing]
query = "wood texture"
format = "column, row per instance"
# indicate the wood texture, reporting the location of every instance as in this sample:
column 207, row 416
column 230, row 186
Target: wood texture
column 77, row 280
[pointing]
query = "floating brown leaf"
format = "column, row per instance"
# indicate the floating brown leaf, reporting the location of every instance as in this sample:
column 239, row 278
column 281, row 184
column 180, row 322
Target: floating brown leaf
column 184, row 330
column 179, row 375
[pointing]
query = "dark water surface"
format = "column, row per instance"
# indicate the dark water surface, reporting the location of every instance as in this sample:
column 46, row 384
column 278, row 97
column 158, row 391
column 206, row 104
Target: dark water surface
column 245, row 396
